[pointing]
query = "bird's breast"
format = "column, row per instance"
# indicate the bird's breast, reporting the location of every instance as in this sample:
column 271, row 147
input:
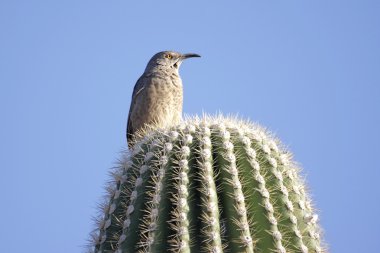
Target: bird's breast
column 161, row 103
column 169, row 99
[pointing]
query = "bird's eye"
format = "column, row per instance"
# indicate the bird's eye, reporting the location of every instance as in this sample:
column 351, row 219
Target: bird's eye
column 168, row 56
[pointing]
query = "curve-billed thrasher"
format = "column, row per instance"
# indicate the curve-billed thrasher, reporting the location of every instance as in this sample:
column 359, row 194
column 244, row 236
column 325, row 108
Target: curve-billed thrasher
column 157, row 95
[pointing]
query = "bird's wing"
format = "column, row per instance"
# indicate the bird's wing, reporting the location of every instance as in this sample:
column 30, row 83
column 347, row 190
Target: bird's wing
column 139, row 86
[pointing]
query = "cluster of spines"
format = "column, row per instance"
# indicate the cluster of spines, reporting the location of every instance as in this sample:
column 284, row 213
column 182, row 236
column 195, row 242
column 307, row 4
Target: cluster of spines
column 209, row 187
column 232, row 196
column 271, row 190
column 210, row 226
column 307, row 222
column 179, row 194
column 154, row 189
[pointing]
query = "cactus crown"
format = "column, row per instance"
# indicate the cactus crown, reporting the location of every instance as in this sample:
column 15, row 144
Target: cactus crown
column 211, row 184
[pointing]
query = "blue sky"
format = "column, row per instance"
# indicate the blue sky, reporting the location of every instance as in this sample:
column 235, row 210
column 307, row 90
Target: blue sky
column 307, row 70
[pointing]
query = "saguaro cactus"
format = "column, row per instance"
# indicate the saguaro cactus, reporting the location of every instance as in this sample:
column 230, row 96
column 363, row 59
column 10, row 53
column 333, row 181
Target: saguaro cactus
column 207, row 185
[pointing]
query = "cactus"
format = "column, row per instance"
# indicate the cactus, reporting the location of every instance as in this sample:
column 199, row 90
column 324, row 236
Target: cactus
column 207, row 185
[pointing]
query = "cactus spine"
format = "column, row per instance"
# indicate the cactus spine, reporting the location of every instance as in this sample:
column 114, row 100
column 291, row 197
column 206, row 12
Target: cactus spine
column 207, row 185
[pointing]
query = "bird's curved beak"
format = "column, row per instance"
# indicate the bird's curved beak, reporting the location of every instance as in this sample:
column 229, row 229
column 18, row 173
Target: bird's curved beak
column 185, row 56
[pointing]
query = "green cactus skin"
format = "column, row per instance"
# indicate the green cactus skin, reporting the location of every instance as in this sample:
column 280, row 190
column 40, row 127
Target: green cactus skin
column 207, row 185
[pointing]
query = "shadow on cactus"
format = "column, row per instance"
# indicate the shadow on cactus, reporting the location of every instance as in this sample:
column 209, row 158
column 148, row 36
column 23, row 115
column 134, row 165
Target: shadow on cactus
column 208, row 185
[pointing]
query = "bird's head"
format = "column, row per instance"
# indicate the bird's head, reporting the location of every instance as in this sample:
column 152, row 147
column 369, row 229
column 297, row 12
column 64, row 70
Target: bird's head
column 168, row 61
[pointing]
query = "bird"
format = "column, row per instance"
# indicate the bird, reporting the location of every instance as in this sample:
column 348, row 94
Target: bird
column 157, row 96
